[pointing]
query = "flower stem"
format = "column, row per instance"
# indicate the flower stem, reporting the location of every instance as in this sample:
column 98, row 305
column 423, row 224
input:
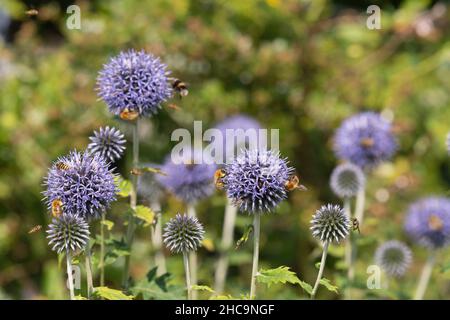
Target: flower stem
column 425, row 277
column 348, row 250
column 359, row 215
column 156, row 234
column 227, row 240
column 69, row 275
column 193, row 256
column 90, row 282
column 322, row 267
column 133, row 202
column 102, row 250
column 188, row 276
column 256, row 228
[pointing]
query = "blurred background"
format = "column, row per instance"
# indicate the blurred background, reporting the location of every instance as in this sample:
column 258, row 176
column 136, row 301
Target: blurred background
column 298, row 65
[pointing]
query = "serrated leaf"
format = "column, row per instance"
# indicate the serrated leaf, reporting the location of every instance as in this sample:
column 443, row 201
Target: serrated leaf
column 202, row 288
column 158, row 288
column 145, row 214
column 125, row 187
column 278, row 275
column 108, row 223
column 306, row 286
column 223, row 297
column 111, row 294
column 327, row 284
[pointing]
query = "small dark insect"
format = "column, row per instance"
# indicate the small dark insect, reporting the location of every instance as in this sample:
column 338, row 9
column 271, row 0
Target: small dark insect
column 218, row 175
column 244, row 237
column 32, row 12
column 180, row 87
column 62, row 166
column 129, row 115
column 294, row 183
column 35, row 229
column 355, row 225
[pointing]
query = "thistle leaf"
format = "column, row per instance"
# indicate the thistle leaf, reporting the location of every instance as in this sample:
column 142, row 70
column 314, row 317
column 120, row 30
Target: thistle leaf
column 279, row 275
column 202, row 288
column 327, row 284
column 125, row 187
column 145, row 214
column 111, row 294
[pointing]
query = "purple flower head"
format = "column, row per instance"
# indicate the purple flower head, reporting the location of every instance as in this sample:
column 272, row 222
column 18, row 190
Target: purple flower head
column 347, row 180
column 108, row 142
column 365, row 139
column 134, row 81
column 255, row 181
column 239, row 125
column 68, row 233
column 183, row 234
column 428, row 222
column 394, row 257
column 189, row 178
column 83, row 183
column 330, row 224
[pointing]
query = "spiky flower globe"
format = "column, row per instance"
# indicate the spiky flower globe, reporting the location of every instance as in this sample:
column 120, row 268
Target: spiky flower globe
column 183, row 234
column 189, row 177
column 330, row 224
column 243, row 128
column 428, row 222
column 394, row 257
column 108, row 142
column 365, row 139
column 347, row 180
column 68, row 233
column 82, row 182
column 134, row 81
column 256, row 180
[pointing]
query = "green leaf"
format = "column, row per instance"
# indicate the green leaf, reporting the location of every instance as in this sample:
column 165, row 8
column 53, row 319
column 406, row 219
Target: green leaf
column 146, row 214
column 317, row 265
column 111, row 294
column 78, row 297
column 125, row 187
column 327, row 284
column 202, row 288
column 109, row 224
column 279, row 275
column 306, row 286
column 158, row 288
column 223, row 297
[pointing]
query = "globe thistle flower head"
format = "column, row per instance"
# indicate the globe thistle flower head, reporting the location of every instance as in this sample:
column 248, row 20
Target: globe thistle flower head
column 243, row 128
column 428, row 222
column 190, row 177
column 347, row 180
column 256, row 180
column 394, row 257
column 68, row 233
column 108, row 142
column 330, row 224
column 183, row 234
column 365, row 139
column 134, row 81
column 82, row 182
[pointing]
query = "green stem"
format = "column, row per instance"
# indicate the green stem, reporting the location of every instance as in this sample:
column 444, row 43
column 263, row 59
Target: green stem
column 133, row 201
column 156, row 234
column 256, row 230
column 348, row 251
column 69, row 275
column 102, row 251
column 322, row 267
column 193, row 256
column 188, row 276
column 425, row 277
column 90, row 282
column 359, row 215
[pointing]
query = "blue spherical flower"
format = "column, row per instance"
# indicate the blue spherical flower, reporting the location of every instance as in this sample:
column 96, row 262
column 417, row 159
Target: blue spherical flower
column 428, row 222
column 347, row 180
column 330, row 223
column 190, row 178
column 245, row 128
column 256, row 180
column 134, row 81
column 365, row 139
column 394, row 257
column 108, row 142
column 68, row 233
column 183, row 234
column 83, row 183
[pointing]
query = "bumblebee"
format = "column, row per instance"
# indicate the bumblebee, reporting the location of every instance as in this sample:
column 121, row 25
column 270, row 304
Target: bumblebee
column 218, row 175
column 128, row 115
column 57, row 208
column 355, row 225
column 294, row 183
column 180, row 87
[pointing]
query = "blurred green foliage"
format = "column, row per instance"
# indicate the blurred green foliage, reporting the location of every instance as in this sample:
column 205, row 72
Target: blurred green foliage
column 301, row 66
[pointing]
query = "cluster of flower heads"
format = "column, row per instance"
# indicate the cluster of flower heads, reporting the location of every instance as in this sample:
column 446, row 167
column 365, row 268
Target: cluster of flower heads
column 365, row 139
column 183, row 234
column 134, row 81
column 190, row 177
column 83, row 183
column 256, row 180
column 394, row 257
column 68, row 233
column 330, row 224
column 347, row 180
column 428, row 222
column 108, row 142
